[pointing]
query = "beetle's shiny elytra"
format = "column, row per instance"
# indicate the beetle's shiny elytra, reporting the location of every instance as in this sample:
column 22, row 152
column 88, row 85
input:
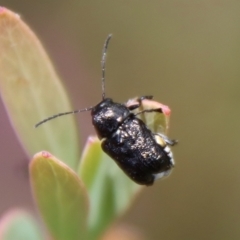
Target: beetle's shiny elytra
column 142, row 154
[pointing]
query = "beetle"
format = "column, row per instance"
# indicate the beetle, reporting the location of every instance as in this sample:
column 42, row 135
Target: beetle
column 142, row 154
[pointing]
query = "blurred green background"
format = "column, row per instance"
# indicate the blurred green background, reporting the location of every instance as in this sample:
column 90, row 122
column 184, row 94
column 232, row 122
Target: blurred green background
column 186, row 54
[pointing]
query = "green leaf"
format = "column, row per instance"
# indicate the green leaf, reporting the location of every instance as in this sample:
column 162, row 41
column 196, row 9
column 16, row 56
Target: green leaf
column 111, row 191
column 60, row 196
column 32, row 91
column 19, row 225
column 157, row 122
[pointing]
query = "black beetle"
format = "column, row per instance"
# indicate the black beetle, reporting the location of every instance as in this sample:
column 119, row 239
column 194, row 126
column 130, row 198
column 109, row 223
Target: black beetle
column 142, row 154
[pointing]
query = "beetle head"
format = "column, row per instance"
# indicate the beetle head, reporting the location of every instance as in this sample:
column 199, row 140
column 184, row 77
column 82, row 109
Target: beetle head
column 107, row 116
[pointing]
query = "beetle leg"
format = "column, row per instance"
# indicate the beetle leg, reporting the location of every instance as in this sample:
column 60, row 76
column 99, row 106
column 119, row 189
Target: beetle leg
column 149, row 97
column 139, row 102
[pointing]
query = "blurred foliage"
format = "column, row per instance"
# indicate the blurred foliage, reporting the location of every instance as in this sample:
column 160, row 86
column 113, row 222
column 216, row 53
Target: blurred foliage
column 19, row 225
column 72, row 207
column 28, row 86
column 59, row 193
column 185, row 53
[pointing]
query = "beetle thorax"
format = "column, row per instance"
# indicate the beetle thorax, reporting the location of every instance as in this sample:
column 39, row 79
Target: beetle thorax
column 107, row 116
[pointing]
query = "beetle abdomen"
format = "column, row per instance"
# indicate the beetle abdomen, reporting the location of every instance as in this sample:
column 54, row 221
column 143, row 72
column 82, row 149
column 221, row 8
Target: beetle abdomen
column 136, row 151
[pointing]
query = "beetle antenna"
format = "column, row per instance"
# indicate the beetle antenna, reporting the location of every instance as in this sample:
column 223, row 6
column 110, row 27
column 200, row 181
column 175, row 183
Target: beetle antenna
column 103, row 62
column 61, row 114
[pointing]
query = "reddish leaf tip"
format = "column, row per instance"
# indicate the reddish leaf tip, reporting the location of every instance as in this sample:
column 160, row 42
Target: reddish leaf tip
column 43, row 154
column 9, row 13
column 166, row 110
column 92, row 139
column 2, row 9
column 46, row 154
